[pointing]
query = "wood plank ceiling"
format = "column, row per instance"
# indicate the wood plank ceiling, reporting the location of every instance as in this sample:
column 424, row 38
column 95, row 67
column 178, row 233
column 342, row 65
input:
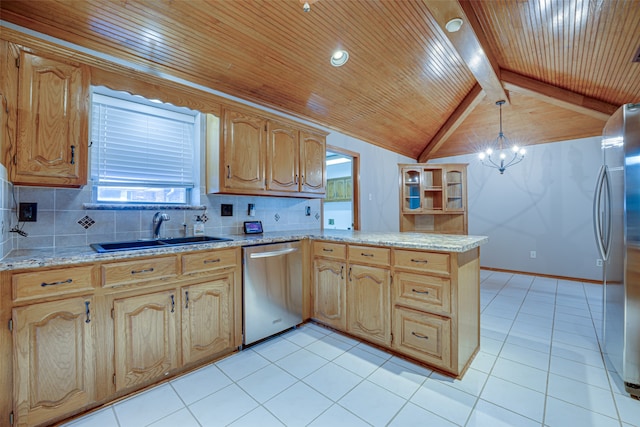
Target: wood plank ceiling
column 409, row 85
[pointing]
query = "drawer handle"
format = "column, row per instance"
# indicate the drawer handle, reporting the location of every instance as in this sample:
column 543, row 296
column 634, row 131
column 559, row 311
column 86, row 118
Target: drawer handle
column 148, row 270
column 62, row 282
column 87, row 312
column 420, row 260
column 420, row 292
column 211, row 261
column 363, row 254
column 419, row 336
column 327, row 250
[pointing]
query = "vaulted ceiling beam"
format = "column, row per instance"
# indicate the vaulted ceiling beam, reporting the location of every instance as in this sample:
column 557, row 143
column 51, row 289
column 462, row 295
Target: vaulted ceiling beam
column 470, row 43
column 556, row 96
column 459, row 115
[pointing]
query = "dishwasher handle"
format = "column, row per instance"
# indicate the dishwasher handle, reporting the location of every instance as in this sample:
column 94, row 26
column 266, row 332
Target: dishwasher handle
column 272, row 253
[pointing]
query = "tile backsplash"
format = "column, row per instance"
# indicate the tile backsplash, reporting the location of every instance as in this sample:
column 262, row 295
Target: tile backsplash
column 63, row 220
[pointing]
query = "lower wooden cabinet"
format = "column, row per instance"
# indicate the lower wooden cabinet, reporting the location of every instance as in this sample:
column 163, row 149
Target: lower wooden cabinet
column 146, row 340
column 207, row 319
column 54, row 363
column 423, row 336
column 330, row 292
column 84, row 335
column 368, row 298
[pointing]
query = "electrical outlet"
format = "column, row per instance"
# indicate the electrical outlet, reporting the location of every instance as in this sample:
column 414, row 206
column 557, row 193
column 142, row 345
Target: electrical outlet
column 28, row 212
column 532, row 254
column 598, row 263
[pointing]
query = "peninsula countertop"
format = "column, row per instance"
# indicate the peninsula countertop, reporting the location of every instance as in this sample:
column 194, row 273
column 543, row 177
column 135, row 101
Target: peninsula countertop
column 52, row 257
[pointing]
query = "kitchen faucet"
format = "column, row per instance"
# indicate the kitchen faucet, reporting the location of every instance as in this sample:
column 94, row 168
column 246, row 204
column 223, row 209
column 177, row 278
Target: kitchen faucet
column 158, row 219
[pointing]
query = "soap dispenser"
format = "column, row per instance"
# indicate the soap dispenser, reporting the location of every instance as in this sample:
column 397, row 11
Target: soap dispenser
column 198, row 226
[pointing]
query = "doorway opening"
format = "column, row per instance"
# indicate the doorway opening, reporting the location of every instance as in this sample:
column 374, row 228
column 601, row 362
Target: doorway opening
column 341, row 205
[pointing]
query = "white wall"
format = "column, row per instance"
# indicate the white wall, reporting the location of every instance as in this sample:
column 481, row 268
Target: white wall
column 379, row 199
column 543, row 204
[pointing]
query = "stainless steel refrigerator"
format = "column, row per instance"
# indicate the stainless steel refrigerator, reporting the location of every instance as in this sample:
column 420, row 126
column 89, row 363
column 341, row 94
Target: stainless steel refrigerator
column 617, row 228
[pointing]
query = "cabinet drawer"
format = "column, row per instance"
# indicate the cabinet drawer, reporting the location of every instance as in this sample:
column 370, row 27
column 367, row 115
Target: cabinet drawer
column 207, row 261
column 40, row 284
column 434, row 262
column 425, row 337
column 132, row 272
column 330, row 250
column 423, row 292
column 367, row 254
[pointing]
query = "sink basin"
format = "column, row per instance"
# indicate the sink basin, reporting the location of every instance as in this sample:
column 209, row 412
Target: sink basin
column 193, row 239
column 146, row 244
column 126, row 246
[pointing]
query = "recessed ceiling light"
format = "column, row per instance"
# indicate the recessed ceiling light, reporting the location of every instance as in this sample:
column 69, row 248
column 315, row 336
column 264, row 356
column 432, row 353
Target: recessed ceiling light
column 453, row 25
column 339, row 58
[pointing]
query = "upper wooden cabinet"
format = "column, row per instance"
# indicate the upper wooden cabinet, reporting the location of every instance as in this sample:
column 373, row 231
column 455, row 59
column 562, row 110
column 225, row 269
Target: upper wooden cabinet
column 244, row 151
column 283, row 149
column 52, row 137
column 433, row 198
column 256, row 154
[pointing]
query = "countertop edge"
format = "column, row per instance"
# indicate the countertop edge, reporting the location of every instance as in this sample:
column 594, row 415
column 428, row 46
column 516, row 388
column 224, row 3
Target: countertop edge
column 40, row 258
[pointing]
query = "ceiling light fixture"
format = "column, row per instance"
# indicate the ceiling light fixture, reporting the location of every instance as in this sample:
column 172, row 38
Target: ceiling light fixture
column 454, row 25
column 339, row 58
column 500, row 151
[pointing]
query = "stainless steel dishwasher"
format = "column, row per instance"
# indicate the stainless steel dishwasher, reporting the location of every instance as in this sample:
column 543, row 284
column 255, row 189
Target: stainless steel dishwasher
column 272, row 289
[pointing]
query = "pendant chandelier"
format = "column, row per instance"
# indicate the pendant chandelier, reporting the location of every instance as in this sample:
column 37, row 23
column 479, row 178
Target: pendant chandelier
column 505, row 157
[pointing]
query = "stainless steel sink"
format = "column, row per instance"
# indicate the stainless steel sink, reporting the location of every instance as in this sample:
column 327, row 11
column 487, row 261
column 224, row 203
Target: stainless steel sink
column 146, row 244
column 192, row 240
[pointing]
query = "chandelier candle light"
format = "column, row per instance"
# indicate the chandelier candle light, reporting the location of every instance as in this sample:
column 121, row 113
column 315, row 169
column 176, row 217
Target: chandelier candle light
column 517, row 154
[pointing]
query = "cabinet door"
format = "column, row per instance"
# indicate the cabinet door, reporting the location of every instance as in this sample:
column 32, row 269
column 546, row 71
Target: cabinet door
column 411, row 190
column 51, row 149
column 244, row 151
column 146, row 346
column 455, row 191
column 54, row 363
column 207, row 319
column 330, row 293
column 283, row 157
column 312, row 164
column 368, row 296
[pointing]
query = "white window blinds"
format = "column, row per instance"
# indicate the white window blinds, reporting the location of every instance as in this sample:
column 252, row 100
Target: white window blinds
column 141, row 145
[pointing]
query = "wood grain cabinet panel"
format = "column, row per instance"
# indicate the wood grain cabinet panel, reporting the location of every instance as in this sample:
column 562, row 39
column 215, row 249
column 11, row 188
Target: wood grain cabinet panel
column 330, row 250
column 426, row 337
column 330, row 292
column 54, row 363
column 208, row 261
column 145, row 332
column 139, row 272
column 369, row 255
column 207, row 319
column 421, row 261
column 313, row 155
column 41, row 284
column 283, row 157
column 423, row 292
column 53, row 100
column 244, row 151
column 368, row 299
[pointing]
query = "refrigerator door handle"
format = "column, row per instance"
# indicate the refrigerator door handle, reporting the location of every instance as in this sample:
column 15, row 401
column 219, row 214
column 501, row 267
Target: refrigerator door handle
column 597, row 220
column 609, row 208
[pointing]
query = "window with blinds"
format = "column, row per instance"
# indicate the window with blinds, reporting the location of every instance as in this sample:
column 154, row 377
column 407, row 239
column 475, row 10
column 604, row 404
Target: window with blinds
column 142, row 151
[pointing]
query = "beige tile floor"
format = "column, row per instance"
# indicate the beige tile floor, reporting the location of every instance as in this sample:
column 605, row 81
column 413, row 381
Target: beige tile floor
column 539, row 365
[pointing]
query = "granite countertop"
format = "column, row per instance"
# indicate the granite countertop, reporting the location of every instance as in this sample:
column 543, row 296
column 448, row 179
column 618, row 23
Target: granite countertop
column 33, row 258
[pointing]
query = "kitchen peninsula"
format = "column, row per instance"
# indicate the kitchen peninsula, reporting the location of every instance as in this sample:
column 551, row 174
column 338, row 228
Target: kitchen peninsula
column 87, row 328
